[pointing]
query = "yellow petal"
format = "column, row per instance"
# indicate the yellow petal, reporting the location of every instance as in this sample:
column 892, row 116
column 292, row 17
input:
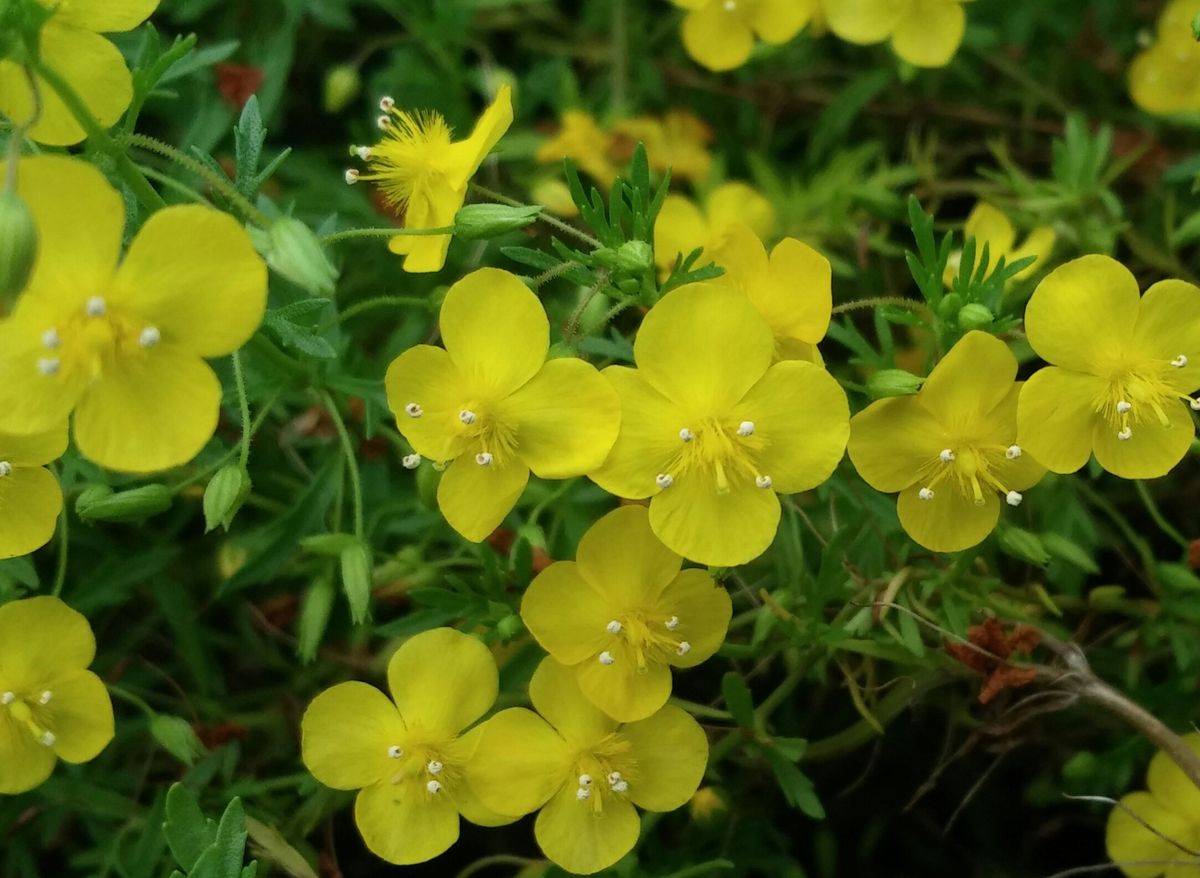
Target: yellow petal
column 193, row 274
column 950, row 522
column 989, row 225
column 798, row 301
column 566, row 614
column 703, row 609
column 34, row 449
column 1152, row 451
column 443, row 680
column 1164, row 79
column 930, row 33
column 465, row 800
column 737, row 202
column 1168, row 324
column 624, row 690
column 25, row 762
column 80, row 716
column 432, row 208
column 404, row 823
column 30, row 501
column 892, row 440
column 716, row 37
column 696, row 521
column 476, row 498
column 519, row 762
column 1082, row 314
column 703, row 346
column 647, row 441
column 466, row 156
column 566, row 418
column 777, row 21
column 864, row 21
column 495, row 330
column 1170, row 785
column 745, row 260
column 1039, row 244
column 801, row 415
column 555, row 693
column 679, row 230
column 970, row 381
column 44, row 640
column 426, row 377
column 151, row 410
column 106, row 16
column 1001, row 425
column 345, row 735
column 671, row 752
column 581, row 840
column 1056, row 414
column 1128, row 842
column 623, row 560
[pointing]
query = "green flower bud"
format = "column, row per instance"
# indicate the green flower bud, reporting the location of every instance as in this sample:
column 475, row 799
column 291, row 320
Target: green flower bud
column 357, row 566
column 428, row 479
column 1196, row 28
column 893, row 382
column 1024, row 545
column 949, row 306
column 1106, row 596
column 314, row 617
column 175, row 735
column 975, row 316
column 509, row 627
column 635, row 257
column 224, row 496
column 342, row 85
column 477, row 221
column 292, row 251
column 18, row 246
column 100, row 503
column 328, row 545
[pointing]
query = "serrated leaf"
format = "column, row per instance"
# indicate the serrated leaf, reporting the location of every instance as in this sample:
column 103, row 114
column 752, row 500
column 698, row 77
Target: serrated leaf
column 249, row 135
column 738, row 699
column 795, row 785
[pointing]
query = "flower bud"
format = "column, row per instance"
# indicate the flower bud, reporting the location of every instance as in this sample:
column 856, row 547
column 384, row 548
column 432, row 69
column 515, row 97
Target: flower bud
column 293, row 252
column 974, row 316
column 18, row 246
column 476, row 221
column 356, row 579
column 509, row 627
column 342, row 85
column 635, row 257
column 428, row 479
column 893, row 382
column 1024, row 545
column 949, row 306
column 100, row 503
column 706, row 804
column 176, row 735
column 1106, row 596
column 224, row 496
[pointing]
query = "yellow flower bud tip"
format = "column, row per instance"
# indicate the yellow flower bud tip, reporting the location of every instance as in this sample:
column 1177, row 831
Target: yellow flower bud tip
column 705, row 804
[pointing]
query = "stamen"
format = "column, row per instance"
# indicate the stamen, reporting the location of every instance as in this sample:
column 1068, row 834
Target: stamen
column 434, row 787
column 483, row 458
column 7, row 698
column 363, row 152
column 434, row 767
column 48, row 366
column 50, row 338
column 946, row 455
column 664, row 480
column 614, row 778
column 351, row 176
column 672, row 623
column 583, row 794
column 413, row 410
column 1125, row 434
column 45, row 697
column 684, row 648
column 925, row 493
column 149, row 337
column 746, row 428
column 1013, row 452
column 411, row 461
column 383, row 122
column 613, row 627
column 1124, row 407
column 585, row 780
column 1195, row 404
column 467, row 417
column 48, row 739
column 6, row 468
column 394, row 752
column 387, row 104
column 1180, row 361
column 606, row 658
column 621, row 786
column 96, row 306
column 1014, row 498
column 763, row 481
column 686, row 435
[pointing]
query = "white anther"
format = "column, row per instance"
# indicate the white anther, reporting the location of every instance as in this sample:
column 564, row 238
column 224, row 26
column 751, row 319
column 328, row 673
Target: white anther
column 434, row 767
column 730, row 5
column 351, row 176
column 672, row 623
column 394, row 752
column 1124, row 407
column 149, row 337
column 7, row 698
column 363, row 152
column 467, row 417
column 1195, row 404
column 1013, row 452
column 585, row 780
column 614, row 778
column 606, row 658
column 50, row 338
column 48, row 366
column 1124, row 434
column 684, row 648
column 45, row 697
column 664, row 480
column 387, row 104
column 946, row 455
column 763, row 481
column 96, row 307
column 6, row 468
column 583, row 793
column 746, row 428
column 1013, row 498
column 613, row 627
column 413, row 410
column 1180, row 361
column 434, row 787
column 411, row 461
column 383, row 122
column 925, row 493
column 48, row 739
column 621, row 786
column 686, row 435
column 484, row 458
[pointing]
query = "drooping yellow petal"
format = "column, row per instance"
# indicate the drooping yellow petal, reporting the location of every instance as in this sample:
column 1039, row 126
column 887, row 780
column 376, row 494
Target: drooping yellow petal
column 192, row 273
column 1152, row 451
column 433, row 206
column 930, row 32
column 737, row 202
column 566, row 419
column 970, row 381
column 679, row 230
column 555, row 693
column 891, row 440
column 495, row 330
column 582, row 840
column 426, row 392
column 466, row 156
column 34, row 449
column 703, row 609
column 671, row 752
column 30, row 501
column 777, row 21
column 950, row 522
column 622, row 559
column 404, row 823
column 25, row 762
column 696, row 521
column 152, row 409
column 106, row 16
column 1039, row 244
column 443, row 680
column 44, row 640
column 519, row 763
column 703, row 346
column 476, row 498
column 1082, row 314
column 1170, row 785
column 566, row 614
column 989, row 225
column 1129, row 843
column 864, row 21
column 716, row 37
column 647, row 441
column 802, row 416
column 1168, row 325
column 1056, row 414
column 80, row 715
column 623, row 690
column 345, row 735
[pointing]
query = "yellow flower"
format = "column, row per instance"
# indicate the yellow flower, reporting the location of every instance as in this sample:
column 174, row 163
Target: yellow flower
column 408, row 754
column 951, row 449
column 588, row 771
column 925, row 33
column 494, row 407
column 419, row 168
column 1172, row 806
column 124, row 347
column 678, row 142
column 623, row 613
column 554, row 195
column 1121, row 374
column 987, row 225
column 72, row 47
column 720, row 33
column 51, row 706
column 585, row 143
column 792, row 289
column 1166, row 77
column 682, row 226
column 30, row 499
column 711, row 431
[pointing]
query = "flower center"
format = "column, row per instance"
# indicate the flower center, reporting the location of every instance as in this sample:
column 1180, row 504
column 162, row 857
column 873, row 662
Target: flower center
column 33, row 714
column 970, row 470
column 476, row 429
column 412, row 156
column 724, row 451
column 1142, row 395
column 429, row 764
column 604, row 771
column 91, row 340
column 652, row 638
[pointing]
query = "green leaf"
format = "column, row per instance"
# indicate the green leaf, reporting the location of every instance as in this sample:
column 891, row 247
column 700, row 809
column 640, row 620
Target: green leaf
column 230, row 844
column 249, row 135
column 797, row 788
column 187, row 830
column 738, row 699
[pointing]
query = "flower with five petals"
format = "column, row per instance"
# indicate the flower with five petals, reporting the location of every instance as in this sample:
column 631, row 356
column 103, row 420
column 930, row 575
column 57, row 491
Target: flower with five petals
column 720, row 33
column 30, row 498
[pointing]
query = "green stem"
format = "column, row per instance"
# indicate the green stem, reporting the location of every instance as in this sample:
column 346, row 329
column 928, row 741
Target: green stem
column 880, row 302
column 351, row 234
column 239, row 380
column 1159, row 519
column 60, row 568
column 351, row 462
column 231, row 453
column 372, row 304
column 171, row 183
column 549, row 220
column 703, row 869
column 702, row 710
column 786, row 688
column 125, row 695
column 19, row 132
